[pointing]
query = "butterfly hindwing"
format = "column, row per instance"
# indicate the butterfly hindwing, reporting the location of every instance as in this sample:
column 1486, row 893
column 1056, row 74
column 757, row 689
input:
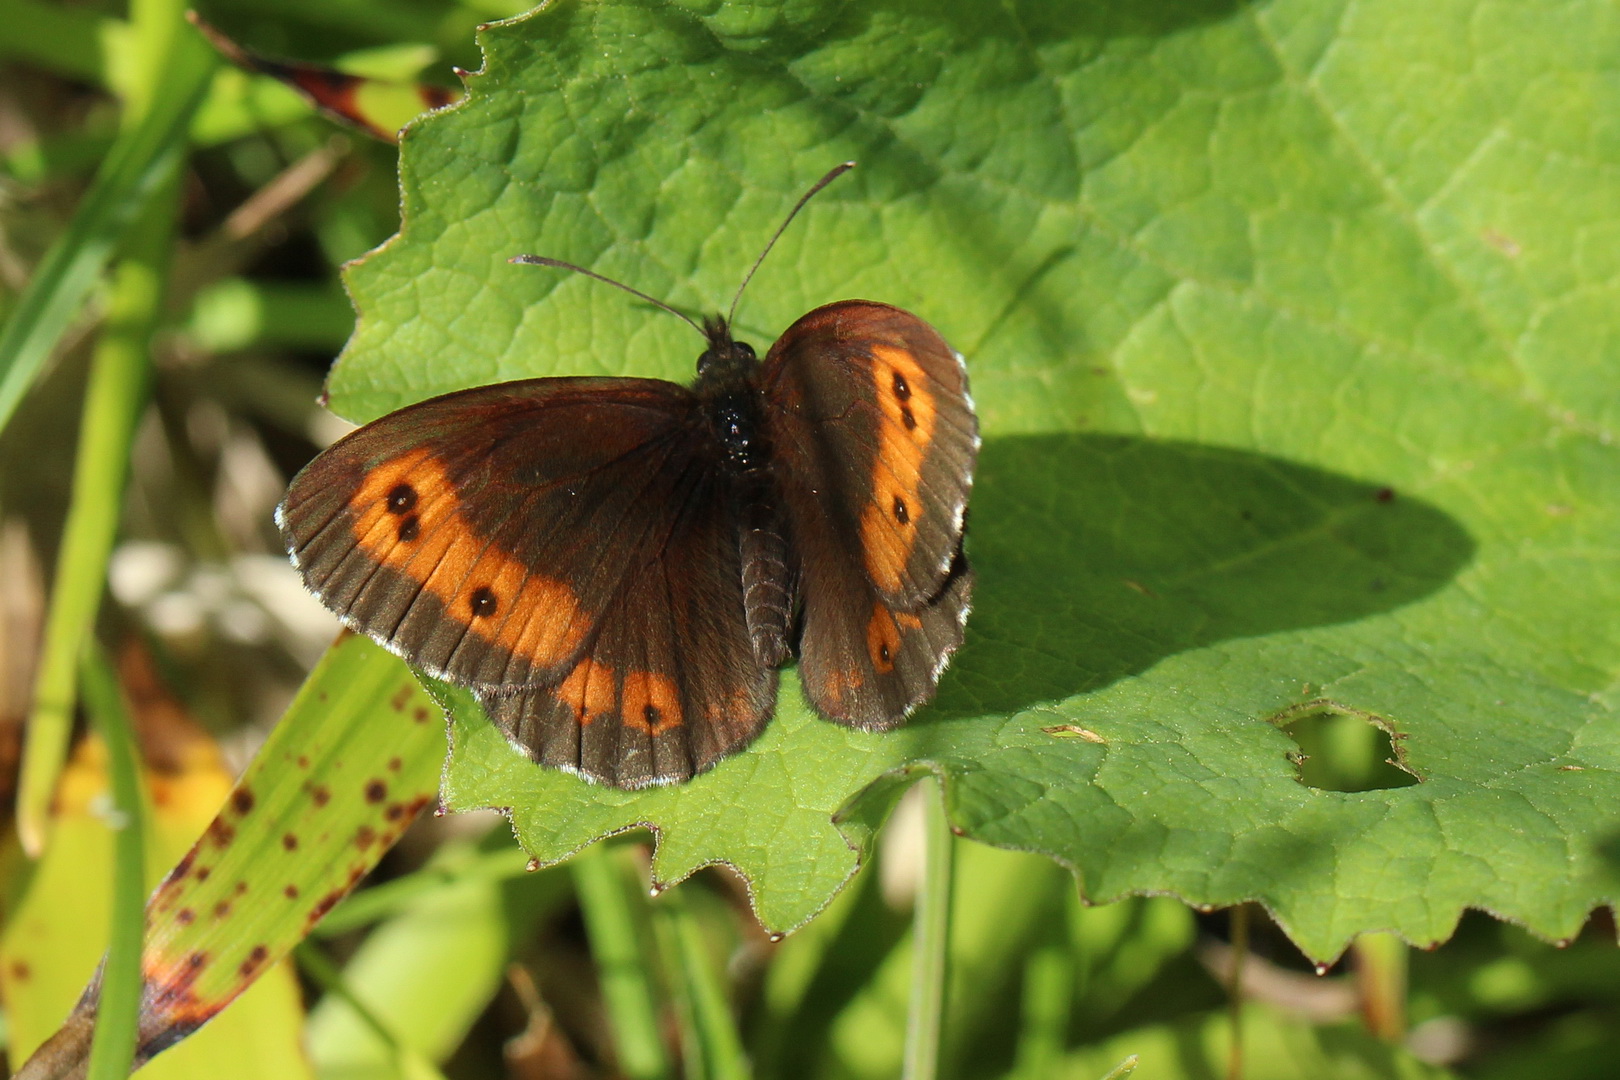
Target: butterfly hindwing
column 670, row 683
column 873, row 432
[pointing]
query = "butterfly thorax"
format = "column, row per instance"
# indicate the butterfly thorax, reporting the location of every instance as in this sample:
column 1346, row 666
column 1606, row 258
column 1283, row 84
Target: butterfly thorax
column 728, row 387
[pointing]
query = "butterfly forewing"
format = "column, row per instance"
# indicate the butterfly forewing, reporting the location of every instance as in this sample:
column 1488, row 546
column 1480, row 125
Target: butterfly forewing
column 482, row 535
column 874, row 439
column 883, row 407
column 566, row 547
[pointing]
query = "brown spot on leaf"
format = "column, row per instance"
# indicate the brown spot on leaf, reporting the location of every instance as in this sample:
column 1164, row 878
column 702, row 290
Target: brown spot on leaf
column 242, row 800
column 303, row 761
column 289, row 841
column 400, row 699
column 222, row 909
column 185, row 916
column 290, row 892
column 376, row 791
column 1385, row 494
column 394, row 764
column 1073, row 731
column 420, row 715
column 323, row 905
column 171, row 1009
column 320, row 794
column 220, row 832
column 364, row 837
column 169, row 888
column 202, row 873
column 20, row 971
column 394, row 812
column 255, row 960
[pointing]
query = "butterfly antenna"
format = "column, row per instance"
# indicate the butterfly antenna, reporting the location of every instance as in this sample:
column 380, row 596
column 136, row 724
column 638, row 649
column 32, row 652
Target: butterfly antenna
column 541, row 260
column 823, row 182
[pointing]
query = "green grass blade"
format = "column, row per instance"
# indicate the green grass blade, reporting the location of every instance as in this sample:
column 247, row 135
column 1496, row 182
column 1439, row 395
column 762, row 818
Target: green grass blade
column 112, row 405
column 709, row 1029
column 410, row 1062
column 606, row 899
column 1122, row 1070
column 489, row 863
column 113, row 1047
column 70, row 41
column 930, row 945
column 352, row 762
column 143, row 156
column 138, row 192
column 430, row 971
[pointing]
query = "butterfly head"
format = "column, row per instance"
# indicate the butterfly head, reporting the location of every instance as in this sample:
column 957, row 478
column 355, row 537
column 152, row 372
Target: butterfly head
column 726, row 362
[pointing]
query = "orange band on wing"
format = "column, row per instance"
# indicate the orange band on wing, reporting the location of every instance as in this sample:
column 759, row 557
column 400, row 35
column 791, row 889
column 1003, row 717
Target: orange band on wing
column 651, row 702
column 888, row 524
column 835, row 684
column 589, row 690
column 407, row 517
column 737, row 708
column 882, row 639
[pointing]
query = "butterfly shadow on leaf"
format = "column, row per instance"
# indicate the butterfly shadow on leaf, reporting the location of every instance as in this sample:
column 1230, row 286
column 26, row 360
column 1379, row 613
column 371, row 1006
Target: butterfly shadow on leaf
column 1099, row 555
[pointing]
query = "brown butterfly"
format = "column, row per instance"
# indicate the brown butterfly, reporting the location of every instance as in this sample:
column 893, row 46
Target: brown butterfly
column 616, row 567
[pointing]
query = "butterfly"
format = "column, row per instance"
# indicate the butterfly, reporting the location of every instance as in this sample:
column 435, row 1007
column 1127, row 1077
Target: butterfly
column 618, row 567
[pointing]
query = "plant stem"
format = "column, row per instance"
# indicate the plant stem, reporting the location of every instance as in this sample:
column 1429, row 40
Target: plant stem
column 930, row 944
column 624, row 971
column 1381, row 984
column 1240, row 950
column 118, row 1019
column 1049, row 979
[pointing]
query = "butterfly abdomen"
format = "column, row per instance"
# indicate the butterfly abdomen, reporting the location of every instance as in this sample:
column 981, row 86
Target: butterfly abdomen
column 766, row 577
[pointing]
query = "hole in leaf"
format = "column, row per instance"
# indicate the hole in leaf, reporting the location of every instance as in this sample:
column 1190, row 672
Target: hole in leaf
column 1343, row 750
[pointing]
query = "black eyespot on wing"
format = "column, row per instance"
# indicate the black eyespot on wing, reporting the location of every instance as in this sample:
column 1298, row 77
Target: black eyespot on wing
column 483, row 602
column 402, row 499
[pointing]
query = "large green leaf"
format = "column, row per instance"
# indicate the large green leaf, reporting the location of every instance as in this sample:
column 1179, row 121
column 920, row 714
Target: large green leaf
column 1292, row 331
